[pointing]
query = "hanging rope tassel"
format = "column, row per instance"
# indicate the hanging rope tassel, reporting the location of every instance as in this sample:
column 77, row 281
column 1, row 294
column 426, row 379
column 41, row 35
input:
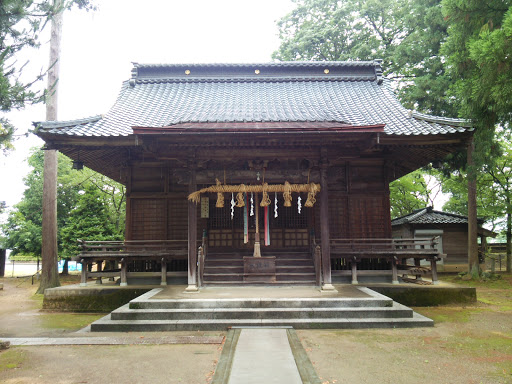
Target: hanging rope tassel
column 287, row 194
column 265, row 199
column 220, row 196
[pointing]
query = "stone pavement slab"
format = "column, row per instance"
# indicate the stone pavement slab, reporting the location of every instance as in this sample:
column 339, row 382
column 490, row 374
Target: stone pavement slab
column 264, row 356
column 114, row 340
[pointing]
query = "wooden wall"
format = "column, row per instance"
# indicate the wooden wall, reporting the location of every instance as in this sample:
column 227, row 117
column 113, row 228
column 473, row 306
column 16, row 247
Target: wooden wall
column 358, row 204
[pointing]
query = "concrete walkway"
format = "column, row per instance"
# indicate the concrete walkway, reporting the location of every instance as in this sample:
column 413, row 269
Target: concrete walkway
column 264, row 356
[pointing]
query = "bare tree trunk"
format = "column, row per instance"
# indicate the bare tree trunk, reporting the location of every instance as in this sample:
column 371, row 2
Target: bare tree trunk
column 49, row 251
column 473, row 264
column 509, row 236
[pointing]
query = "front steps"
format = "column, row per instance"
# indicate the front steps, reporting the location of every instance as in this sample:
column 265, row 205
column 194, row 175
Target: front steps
column 227, row 268
column 146, row 314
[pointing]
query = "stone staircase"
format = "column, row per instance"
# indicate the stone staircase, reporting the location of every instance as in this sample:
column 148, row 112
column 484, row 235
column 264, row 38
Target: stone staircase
column 147, row 314
column 227, row 268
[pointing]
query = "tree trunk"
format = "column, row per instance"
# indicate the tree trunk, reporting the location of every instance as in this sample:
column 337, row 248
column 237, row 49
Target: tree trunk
column 473, row 263
column 49, row 251
column 509, row 236
column 65, row 268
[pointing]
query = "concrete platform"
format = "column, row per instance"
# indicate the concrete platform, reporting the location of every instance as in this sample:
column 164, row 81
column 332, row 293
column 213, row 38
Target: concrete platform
column 304, row 308
column 108, row 296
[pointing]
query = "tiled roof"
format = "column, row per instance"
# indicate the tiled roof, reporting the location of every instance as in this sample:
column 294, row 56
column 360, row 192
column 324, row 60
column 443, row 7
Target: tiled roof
column 348, row 93
column 430, row 216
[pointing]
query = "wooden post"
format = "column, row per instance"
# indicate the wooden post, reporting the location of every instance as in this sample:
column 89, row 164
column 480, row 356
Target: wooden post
column 83, row 280
column 394, row 270
column 192, row 235
column 164, row 272
column 353, row 264
column 124, row 267
column 99, row 268
column 433, row 268
column 324, row 230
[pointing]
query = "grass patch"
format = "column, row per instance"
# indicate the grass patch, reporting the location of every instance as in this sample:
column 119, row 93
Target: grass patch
column 11, row 359
column 67, row 321
column 449, row 314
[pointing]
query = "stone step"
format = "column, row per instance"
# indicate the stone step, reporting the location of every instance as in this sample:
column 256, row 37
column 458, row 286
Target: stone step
column 240, row 262
column 370, row 302
column 259, row 283
column 211, row 270
column 397, row 311
column 106, row 324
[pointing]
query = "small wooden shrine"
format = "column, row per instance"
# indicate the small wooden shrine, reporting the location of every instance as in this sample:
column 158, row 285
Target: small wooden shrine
column 224, row 163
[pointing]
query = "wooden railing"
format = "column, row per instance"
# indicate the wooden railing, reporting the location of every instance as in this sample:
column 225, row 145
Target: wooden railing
column 121, row 252
column 394, row 251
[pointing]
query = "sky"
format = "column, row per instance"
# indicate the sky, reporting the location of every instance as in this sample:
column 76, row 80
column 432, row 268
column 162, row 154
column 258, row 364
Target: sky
column 98, row 49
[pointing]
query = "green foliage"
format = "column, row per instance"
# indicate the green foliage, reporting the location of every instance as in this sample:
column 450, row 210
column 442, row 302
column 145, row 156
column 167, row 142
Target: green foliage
column 494, row 186
column 406, row 34
column 89, row 206
column 414, row 191
column 479, row 57
column 21, row 22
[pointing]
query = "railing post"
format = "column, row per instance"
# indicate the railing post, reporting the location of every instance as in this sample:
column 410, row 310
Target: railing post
column 433, row 268
column 164, row 272
column 394, row 269
column 353, row 265
column 124, row 280
column 317, row 259
column 83, row 279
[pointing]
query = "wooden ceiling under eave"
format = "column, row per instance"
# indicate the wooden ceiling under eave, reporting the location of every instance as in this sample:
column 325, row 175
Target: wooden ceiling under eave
column 406, row 154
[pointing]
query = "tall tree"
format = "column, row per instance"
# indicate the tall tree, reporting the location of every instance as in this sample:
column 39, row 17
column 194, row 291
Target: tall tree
column 479, row 53
column 23, row 227
column 406, row 34
column 21, row 23
column 49, row 249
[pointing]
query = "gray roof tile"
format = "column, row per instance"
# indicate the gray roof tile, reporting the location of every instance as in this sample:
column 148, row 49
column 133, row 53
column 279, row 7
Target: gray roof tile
column 164, row 95
column 430, row 216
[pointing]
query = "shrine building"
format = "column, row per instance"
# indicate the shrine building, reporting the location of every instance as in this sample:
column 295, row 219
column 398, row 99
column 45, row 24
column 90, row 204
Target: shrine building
column 271, row 173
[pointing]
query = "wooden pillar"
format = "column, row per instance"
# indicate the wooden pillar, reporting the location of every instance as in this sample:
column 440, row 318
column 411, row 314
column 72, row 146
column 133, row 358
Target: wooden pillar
column 164, row 272
column 324, row 229
column 83, row 280
column 192, row 235
column 124, row 267
column 473, row 264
